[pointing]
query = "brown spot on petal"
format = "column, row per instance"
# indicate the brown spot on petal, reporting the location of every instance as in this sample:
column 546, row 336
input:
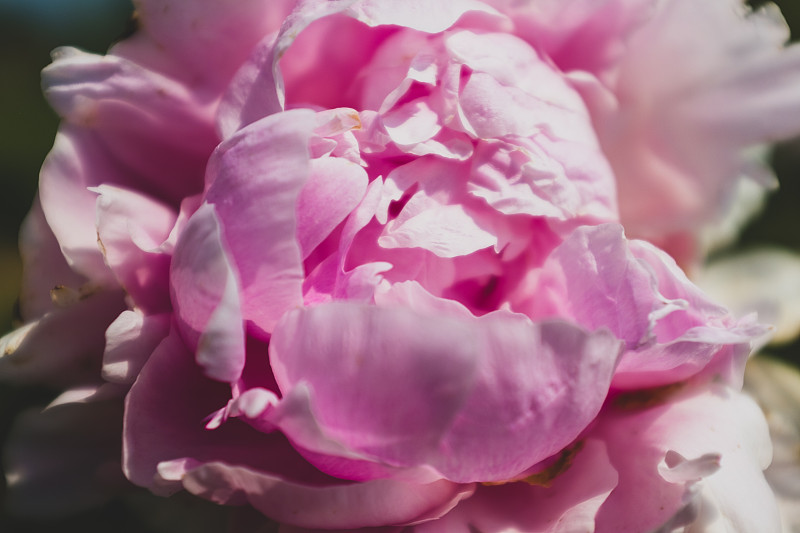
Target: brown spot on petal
column 545, row 477
column 644, row 398
column 63, row 296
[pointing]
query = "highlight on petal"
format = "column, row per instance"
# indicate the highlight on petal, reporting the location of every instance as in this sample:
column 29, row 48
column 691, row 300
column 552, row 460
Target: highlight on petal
column 205, row 293
column 130, row 340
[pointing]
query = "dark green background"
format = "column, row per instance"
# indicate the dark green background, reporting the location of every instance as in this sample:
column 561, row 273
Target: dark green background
column 27, row 129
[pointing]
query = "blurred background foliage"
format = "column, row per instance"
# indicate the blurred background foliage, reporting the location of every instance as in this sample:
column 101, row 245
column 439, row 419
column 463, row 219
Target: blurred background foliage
column 29, row 31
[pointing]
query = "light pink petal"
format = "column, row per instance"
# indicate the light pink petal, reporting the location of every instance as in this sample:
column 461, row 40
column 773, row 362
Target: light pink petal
column 153, row 126
column 73, row 164
column 594, row 278
column 418, row 14
column 253, row 93
column 256, row 177
column 647, row 445
column 446, row 230
column 334, row 188
column 44, row 266
column 412, row 123
column 588, row 35
column 66, row 458
column 48, row 351
column 568, row 503
column 561, row 180
column 205, row 294
column 373, row 503
column 131, row 228
column 677, row 141
column 199, row 40
column 130, row 340
column 463, row 386
column 438, row 217
column 511, row 91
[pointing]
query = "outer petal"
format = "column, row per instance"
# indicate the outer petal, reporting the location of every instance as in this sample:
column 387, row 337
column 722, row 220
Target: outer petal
column 166, row 446
column 66, row 458
column 49, row 351
column 205, row 293
column 256, row 177
column 156, row 129
column 565, row 504
column 202, row 40
column 766, row 281
column 372, row 503
column 130, row 340
column 472, row 398
column 131, row 229
column 715, row 420
column 44, row 266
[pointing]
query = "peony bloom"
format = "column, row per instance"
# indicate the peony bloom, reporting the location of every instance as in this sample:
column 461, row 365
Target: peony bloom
column 363, row 264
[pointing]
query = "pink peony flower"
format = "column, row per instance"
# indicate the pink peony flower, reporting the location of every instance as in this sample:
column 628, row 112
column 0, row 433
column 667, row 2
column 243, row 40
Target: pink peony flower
column 363, row 264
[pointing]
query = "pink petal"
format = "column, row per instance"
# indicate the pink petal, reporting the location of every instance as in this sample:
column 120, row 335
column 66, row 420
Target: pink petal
column 48, row 351
column 256, row 177
column 568, row 504
column 490, row 373
column 372, row 503
column 694, row 425
column 334, row 188
column 205, row 293
column 130, row 340
column 152, row 126
column 418, row 14
column 131, row 228
column 44, row 266
column 166, row 446
column 201, row 41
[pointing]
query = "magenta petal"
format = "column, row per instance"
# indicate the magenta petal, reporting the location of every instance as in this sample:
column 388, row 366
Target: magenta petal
column 205, row 293
column 333, row 190
column 256, row 177
column 472, row 397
